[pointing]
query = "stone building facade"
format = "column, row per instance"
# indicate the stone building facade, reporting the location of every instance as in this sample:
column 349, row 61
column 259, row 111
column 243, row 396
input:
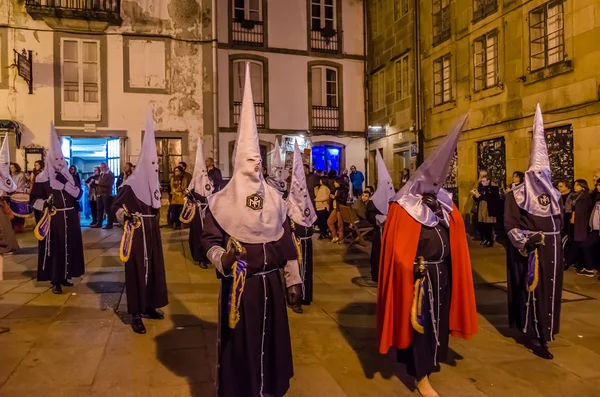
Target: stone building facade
column 97, row 66
column 496, row 59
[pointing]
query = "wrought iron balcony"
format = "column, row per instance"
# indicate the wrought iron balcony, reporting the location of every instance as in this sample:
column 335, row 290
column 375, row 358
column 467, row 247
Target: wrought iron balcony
column 248, row 32
column 259, row 110
column 324, row 40
column 92, row 10
column 325, row 118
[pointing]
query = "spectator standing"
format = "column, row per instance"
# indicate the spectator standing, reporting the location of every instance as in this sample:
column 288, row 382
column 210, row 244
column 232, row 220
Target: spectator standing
column 77, row 183
column 338, row 198
column 214, row 174
column 186, row 178
column 127, row 170
column 405, row 177
column 564, row 188
column 591, row 246
column 92, row 198
column 104, row 186
column 177, row 194
column 18, row 177
column 357, row 179
column 488, row 198
column 322, row 194
column 579, row 226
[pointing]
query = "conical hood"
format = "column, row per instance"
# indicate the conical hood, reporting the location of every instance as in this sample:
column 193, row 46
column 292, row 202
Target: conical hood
column 55, row 163
column 429, row 178
column 536, row 194
column 201, row 183
column 385, row 187
column 247, row 208
column 276, row 178
column 7, row 185
column 299, row 205
column 144, row 179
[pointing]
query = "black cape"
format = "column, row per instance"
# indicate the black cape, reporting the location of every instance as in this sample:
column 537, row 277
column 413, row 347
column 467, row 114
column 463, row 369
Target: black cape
column 428, row 349
column 196, row 248
column 60, row 254
column 372, row 212
column 143, row 294
column 543, row 305
column 255, row 357
column 303, row 235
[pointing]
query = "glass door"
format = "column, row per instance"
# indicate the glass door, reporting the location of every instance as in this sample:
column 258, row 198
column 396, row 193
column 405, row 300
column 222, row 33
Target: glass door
column 113, row 158
column 65, row 146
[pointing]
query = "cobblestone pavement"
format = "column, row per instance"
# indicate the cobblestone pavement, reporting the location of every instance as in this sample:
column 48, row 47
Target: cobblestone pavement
column 78, row 344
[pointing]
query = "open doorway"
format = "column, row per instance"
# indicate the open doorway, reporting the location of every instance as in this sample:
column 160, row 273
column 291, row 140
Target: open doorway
column 85, row 154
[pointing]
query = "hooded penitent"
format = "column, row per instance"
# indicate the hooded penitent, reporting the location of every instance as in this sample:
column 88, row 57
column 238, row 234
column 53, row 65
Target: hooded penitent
column 144, row 179
column 429, row 178
column 55, row 163
column 385, row 189
column 201, row 183
column 7, row 185
column 537, row 195
column 299, row 206
column 276, row 178
column 247, row 208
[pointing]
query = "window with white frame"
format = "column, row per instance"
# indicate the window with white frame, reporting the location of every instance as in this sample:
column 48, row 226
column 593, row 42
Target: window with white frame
column 378, row 88
column 442, row 80
column 80, row 79
column 485, row 61
column 147, row 64
column 401, row 73
column 324, row 86
column 258, row 87
column 546, row 31
column 322, row 14
column 247, row 10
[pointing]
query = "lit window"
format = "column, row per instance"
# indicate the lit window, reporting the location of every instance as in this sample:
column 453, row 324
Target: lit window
column 546, row 30
column 442, row 80
column 80, row 79
column 485, row 61
column 401, row 72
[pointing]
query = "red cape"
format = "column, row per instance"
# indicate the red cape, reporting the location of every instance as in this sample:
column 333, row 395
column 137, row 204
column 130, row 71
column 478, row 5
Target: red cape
column 396, row 280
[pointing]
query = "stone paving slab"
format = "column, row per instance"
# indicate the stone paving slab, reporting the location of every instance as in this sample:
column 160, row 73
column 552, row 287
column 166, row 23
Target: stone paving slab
column 79, row 343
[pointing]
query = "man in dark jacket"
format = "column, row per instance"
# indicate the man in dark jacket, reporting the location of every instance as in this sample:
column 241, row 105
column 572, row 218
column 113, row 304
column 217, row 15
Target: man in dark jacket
column 214, row 174
column 104, row 187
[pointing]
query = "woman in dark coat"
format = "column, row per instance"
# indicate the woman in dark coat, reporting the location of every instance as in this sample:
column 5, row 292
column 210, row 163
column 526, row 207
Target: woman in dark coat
column 338, row 197
column 488, row 198
column 579, row 226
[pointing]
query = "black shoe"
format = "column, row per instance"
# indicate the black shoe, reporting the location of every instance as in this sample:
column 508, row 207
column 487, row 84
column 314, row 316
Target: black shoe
column 138, row 325
column 94, row 226
column 67, row 283
column 297, row 309
column 489, row 244
column 586, row 272
column 154, row 314
column 542, row 351
column 57, row 289
column 484, row 242
column 203, row 265
column 107, row 227
column 4, row 330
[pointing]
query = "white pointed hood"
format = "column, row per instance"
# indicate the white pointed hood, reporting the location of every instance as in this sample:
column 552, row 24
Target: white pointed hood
column 429, row 178
column 276, row 178
column 299, row 206
column 201, row 183
column 385, row 187
column 247, row 208
column 536, row 194
column 7, row 185
column 55, row 163
column 144, row 179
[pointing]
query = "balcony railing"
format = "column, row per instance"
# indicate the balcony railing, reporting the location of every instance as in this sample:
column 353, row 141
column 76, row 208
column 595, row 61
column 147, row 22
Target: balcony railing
column 259, row 110
column 325, row 118
column 325, row 40
column 247, row 32
column 93, row 10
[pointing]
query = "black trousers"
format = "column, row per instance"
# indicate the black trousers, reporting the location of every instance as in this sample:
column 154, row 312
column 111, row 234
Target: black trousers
column 94, row 210
column 591, row 249
column 175, row 212
column 322, row 222
column 104, row 205
column 486, row 231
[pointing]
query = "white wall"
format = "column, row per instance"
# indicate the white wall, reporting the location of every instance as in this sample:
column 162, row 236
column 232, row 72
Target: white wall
column 353, row 22
column 287, row 24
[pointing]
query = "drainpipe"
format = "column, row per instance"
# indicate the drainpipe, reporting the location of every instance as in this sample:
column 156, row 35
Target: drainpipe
column 215, row 84
column 366, row 89
column 418, row 97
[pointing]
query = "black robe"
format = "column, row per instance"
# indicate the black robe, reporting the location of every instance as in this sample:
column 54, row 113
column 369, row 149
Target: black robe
column 255, row 357
column 198, row 253
column 424, row 353
column 372, row 213
column 543, row 305
column 60, row 254
column 304, row 236
column 142, row 293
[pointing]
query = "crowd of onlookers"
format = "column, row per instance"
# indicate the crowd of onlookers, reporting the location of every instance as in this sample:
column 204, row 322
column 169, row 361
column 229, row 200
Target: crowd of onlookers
column 581, row 226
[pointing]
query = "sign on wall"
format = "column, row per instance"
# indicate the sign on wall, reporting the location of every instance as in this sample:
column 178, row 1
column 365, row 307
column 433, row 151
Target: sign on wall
column 560, row 152
column 491, row 156
column 25, row 67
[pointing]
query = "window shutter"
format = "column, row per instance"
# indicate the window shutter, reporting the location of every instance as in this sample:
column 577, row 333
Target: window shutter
column 137, row 63
column 317, row 86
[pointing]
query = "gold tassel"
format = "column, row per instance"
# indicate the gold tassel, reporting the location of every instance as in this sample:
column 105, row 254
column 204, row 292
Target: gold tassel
column 239, row 279
column 416, row 308
column 536, row 267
